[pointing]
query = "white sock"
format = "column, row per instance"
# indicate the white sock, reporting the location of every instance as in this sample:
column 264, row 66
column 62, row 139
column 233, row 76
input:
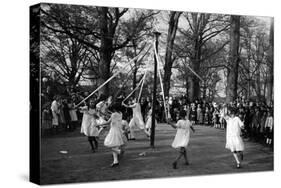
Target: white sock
column 132, row 133
column 115, row 157
column 236, row 158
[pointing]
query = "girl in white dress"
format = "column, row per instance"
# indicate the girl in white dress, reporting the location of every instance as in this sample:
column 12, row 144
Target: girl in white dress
column 234, row 141
column 115, row 138
column 89, row 124
column 102, row 109
column 73, row 114
column 182, row 137
column 149, row 122
column 137, row 120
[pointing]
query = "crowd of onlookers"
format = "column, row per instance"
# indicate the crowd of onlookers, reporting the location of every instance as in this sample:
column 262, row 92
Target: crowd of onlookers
column 60, row 114
column 257, row 116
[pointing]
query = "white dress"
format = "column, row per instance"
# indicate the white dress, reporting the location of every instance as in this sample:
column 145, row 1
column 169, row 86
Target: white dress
column 89, row 124
column 55, row 112
column 149, row 120
column 234, row 141
column 114, row 138
column 72, row 113
column 137, row 120
column 183, row 134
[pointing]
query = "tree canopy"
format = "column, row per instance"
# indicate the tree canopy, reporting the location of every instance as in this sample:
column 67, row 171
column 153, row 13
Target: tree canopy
column 85, row 45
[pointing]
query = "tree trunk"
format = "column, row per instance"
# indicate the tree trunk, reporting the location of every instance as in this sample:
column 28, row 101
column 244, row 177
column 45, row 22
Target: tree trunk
column 135, row 69
column 105, row 51
column 264, row 85
column 258, row 81
column 191, row 89
column 173, row 25
column 187, row 86
column 195, row 65
column 249, row 81
column 204, row 91
column 232, row 76
column 271, row 57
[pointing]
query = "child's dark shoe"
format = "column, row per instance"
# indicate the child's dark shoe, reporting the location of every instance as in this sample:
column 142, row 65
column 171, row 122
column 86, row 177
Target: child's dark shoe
column 114, row 165
column 174, row 165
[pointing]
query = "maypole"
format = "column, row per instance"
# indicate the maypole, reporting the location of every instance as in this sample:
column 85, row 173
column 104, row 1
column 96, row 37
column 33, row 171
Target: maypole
column 152, row 136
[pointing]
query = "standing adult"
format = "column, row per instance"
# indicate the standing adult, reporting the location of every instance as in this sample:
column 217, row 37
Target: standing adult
column 55, row 113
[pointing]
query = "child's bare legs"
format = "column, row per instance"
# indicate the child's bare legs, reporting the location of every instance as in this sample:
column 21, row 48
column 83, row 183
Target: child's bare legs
column 115, row 152
column 236, row 157
column 90, row 140
column 147, row 132
column 122, row 151
column 132, row 132
column 96, row 142
column 270, row 141
column 126, row 133
column 185, row 156
column 182, row 152
column 241, row 155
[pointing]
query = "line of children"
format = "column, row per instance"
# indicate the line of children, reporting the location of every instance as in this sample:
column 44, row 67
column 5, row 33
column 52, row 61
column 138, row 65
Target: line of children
column 118, row 127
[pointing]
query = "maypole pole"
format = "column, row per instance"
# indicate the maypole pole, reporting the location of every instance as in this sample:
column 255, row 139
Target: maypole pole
column 152, row 136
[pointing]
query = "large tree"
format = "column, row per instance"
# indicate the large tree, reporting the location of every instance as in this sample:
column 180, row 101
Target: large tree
column 232, row 75
column 254, row 67
column 270, row 59
column 98, row 28
column 64, row 56
column 169, row 59
column 141, row 23
column 193, row 44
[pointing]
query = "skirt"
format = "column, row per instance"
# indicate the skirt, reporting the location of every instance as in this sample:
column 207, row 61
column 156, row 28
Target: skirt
column 181, row 139
column 234, row 143
column 114, row 138
column 136, row 122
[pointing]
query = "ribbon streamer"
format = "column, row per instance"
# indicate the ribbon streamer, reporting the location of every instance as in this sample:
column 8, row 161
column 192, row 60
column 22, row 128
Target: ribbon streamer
column 109, row 79
column 135, row 88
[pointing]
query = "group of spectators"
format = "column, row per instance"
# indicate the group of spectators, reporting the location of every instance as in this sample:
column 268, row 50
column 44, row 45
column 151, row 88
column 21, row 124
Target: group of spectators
column 257, row 116
column 59, row 115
